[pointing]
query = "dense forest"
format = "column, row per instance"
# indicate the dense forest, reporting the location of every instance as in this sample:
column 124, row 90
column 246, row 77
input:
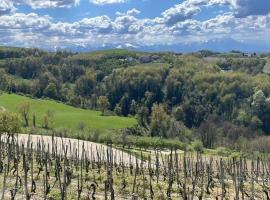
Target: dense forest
column 219, row 99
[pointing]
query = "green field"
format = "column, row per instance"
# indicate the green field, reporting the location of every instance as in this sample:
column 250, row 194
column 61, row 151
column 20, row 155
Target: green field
column 267, row 67
column 65, row 116
column 106, row 53
column 154, row 65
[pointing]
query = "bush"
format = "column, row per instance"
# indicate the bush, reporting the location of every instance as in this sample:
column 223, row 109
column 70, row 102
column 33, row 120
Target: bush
column 115, row 137
column 235, row 155
column 222, row 151
column 261, row 144
column 159, row 143
column 197, row 146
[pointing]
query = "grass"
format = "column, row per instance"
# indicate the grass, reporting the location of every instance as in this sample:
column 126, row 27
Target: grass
column 65, row 116
column 154, row 65
column 7, row 48
column 106, row 53
column 266, row 68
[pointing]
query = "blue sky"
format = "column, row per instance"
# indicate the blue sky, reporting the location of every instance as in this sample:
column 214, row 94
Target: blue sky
column 148, row 8
column 182, row 25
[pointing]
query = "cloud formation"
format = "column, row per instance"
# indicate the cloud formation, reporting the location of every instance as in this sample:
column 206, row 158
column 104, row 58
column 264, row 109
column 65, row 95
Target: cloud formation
column 244, row 8
column 180, row 12
column 243, row 21
column 38, row 4
column 6, row 7
column 104, row 2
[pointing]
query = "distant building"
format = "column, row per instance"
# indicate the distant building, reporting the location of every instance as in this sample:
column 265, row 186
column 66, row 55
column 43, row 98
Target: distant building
column 155, row 57
column 130, row 59
column 145, row 59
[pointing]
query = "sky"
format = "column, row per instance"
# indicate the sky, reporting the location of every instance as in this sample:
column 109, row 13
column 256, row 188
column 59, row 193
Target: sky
column 178, row 25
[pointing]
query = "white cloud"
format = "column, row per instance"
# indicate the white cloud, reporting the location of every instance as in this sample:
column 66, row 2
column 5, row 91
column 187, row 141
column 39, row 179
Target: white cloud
column 176, row 25
column 100, row 24
column 131, row 12
column 104, row 2
column 187, row 10
column 40, row 31
column 240, row 8
column 243, row 8
column 128, row 24
column 24, row 22
column 180, row 12
column 37, row 4
column 6, row 7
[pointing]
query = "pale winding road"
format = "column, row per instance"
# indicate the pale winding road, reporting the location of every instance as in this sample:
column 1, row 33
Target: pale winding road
column 93, row 151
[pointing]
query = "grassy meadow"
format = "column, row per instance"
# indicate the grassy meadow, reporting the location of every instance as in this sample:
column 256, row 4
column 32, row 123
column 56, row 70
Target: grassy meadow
column 65, row 116
column 267, row 67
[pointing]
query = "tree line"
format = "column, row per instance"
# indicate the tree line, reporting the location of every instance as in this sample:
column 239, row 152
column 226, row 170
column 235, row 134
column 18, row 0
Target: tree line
column 182, row 95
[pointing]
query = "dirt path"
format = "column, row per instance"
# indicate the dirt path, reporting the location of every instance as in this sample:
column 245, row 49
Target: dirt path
column 93, row 151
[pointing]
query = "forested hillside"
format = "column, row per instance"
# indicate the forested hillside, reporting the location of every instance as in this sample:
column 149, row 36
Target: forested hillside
column 220, row 99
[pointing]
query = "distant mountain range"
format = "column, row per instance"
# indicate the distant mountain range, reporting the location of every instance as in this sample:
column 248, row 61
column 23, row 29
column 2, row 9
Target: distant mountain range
column 220, row 45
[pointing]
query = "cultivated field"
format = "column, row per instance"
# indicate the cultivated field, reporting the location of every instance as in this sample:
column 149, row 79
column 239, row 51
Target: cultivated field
column 55, row 168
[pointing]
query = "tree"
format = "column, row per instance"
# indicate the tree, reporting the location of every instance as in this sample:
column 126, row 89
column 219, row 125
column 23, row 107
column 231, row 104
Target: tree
column 149, row 99
column 45, row 79
column 178, row 113
column 208, row 134
column 117, row 109
column 160, row 121
column 103, row 103
column 259, row 101
column 93, row 101
column 48, row 119
column 51, row 91
column 34, row 119
column 197, row 146
column 10, row 123
column 124, row 104
column 179, row 130
column 85, row 84
column 133, row 107
column 24, row 109
column 261, row 107
column 142, row 116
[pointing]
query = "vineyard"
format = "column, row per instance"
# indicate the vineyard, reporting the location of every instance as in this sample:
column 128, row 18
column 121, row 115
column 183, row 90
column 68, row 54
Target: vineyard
column 58, row 168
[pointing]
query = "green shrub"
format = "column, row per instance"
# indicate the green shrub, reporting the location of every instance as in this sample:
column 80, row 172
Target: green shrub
column 222, row 151
column 197, row 146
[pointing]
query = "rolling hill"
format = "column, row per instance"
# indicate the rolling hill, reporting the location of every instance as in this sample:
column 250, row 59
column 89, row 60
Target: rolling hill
column 65, row 115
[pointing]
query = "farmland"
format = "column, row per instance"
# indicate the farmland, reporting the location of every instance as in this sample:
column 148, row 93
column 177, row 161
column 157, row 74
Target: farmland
column 55, row 168
column 143, row 125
